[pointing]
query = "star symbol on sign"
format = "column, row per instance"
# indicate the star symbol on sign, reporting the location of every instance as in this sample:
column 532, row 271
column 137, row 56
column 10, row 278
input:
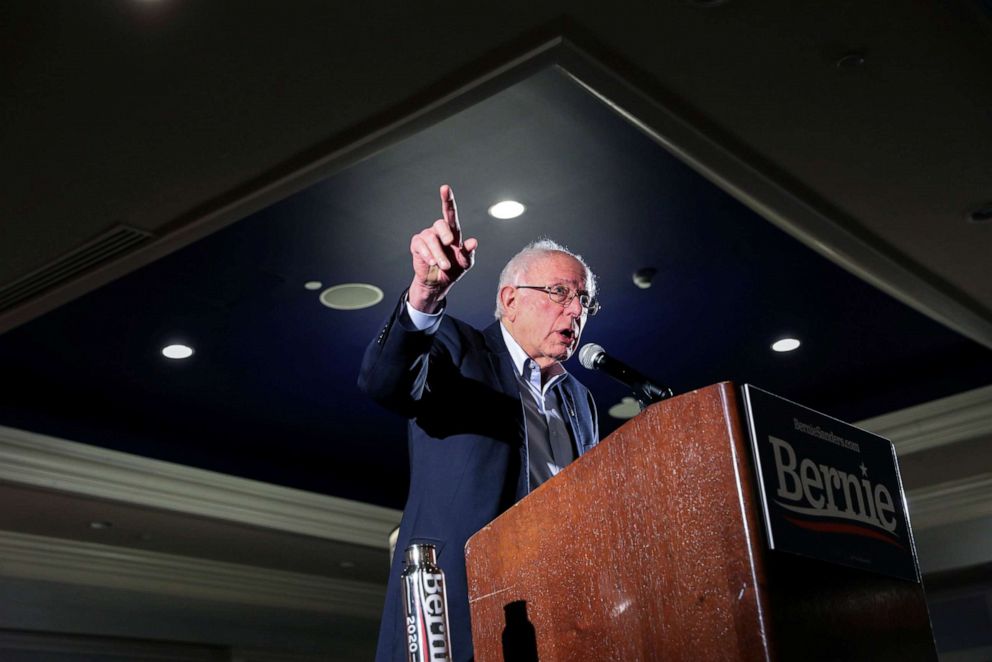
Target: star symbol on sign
column 864, row 469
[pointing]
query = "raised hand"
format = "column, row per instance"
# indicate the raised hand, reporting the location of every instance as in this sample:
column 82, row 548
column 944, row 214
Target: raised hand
column 440, row 257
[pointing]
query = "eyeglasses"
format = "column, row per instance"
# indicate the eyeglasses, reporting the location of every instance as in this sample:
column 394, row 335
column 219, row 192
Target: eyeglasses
column 564, row 295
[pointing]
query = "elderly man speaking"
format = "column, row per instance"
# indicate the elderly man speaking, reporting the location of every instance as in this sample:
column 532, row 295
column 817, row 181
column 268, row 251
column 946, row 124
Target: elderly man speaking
column 493, row 413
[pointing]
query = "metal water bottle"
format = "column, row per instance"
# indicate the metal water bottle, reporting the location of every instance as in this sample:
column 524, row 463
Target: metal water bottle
column 426, row 625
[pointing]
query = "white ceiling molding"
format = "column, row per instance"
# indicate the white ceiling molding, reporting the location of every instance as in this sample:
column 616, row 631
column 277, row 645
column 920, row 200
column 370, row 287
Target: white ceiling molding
column 954, row 501
column 41, row 558
column 948, row 420
column 46, row 462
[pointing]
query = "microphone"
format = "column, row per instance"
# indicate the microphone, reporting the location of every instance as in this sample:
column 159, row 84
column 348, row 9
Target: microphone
column 594, row 357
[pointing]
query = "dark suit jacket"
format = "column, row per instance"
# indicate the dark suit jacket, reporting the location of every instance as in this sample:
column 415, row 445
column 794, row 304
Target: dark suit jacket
column 467, row 445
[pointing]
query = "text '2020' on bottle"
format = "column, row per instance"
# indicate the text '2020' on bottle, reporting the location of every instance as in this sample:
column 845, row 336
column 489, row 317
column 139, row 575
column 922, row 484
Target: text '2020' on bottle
column 426, row 624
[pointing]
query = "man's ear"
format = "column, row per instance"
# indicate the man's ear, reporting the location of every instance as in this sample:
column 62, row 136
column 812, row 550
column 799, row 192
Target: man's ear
column 508, row 297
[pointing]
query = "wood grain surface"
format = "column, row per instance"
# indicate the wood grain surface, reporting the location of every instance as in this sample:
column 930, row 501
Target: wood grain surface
column 649, row 548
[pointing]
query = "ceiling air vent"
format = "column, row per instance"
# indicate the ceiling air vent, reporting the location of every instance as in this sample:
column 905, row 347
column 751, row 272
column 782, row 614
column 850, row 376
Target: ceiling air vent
column 111, row 244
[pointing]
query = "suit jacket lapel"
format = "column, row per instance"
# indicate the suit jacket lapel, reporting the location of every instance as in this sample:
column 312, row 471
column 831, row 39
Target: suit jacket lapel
column 579, row 415
column 499, row 356
column 502, row 364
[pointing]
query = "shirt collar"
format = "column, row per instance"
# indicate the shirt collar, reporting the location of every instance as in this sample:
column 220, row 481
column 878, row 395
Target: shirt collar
column 520, row 358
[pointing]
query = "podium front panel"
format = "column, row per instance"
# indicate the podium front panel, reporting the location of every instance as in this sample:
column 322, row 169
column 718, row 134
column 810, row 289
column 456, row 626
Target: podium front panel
column 642, row 549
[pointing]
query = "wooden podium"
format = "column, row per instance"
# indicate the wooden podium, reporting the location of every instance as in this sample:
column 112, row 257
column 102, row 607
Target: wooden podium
column 651, row 547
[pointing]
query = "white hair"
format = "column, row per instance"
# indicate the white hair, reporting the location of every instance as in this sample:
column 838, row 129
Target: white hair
column 528, row 255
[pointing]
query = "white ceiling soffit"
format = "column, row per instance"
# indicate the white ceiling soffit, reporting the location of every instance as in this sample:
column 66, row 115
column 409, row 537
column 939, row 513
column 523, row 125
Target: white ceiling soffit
column 951, row 502
column 949, row 420
column 69, row 467
column 45, row 462
column 40, row 461
column 73, row 562
column 36, row 460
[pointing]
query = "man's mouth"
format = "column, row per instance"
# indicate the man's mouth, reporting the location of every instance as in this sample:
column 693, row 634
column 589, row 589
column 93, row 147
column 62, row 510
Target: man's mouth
column 567, row 335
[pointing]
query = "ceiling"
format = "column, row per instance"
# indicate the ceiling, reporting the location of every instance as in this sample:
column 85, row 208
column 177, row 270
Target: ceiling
column 270, row 393
column 769, row 161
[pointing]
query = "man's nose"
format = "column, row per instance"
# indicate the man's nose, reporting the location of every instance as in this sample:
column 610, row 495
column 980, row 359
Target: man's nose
column 573, row 307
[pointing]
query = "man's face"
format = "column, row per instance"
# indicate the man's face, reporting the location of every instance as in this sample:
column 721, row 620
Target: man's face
column 549, row 332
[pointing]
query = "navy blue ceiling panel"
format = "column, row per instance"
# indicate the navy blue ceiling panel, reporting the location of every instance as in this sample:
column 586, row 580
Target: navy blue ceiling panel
column 270, row 393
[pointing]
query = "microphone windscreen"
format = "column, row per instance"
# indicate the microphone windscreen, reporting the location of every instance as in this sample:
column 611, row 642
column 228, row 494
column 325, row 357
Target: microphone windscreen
column 590, row 354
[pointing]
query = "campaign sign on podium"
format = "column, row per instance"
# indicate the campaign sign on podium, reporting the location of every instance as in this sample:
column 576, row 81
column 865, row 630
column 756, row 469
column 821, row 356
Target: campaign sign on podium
column 829, row 490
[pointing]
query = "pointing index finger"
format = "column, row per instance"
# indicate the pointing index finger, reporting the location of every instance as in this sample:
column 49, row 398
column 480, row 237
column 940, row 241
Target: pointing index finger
column 450, row 211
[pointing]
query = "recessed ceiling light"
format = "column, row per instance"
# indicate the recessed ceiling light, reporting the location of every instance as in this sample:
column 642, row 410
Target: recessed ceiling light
column 626, row 408
column 351, row 296
column 177, row 352
column 506, row 209
column 643, row 277
column 313, row 285
column 785, row 345
column 100, row 525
